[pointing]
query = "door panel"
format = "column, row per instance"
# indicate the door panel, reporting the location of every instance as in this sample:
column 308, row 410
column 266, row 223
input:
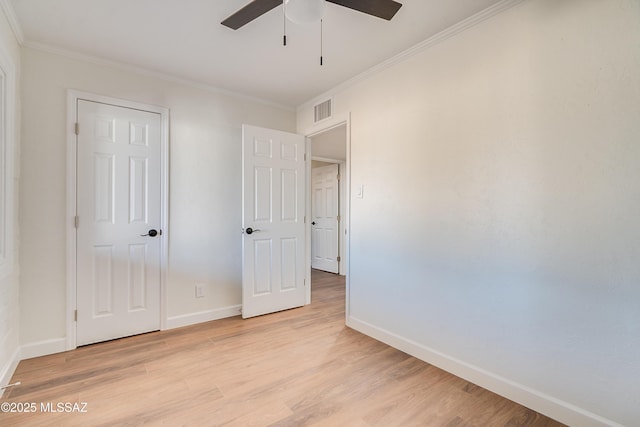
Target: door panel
column 102, row 283
column 138, row 193
column 324, row 225
column 273, row 208
column 118, row 202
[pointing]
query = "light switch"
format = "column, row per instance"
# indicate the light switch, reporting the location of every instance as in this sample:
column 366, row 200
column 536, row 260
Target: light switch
column 199, row 290
column 360, row 191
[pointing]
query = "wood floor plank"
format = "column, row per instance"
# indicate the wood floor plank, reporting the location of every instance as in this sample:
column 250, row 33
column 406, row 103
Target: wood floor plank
column 300, row 367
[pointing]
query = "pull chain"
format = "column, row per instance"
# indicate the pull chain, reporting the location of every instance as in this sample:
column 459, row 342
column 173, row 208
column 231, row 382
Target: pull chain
column 320, row 42
column 284, row 23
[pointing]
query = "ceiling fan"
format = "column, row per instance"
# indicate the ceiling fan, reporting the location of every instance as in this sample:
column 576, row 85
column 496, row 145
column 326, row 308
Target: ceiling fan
column 385, row 9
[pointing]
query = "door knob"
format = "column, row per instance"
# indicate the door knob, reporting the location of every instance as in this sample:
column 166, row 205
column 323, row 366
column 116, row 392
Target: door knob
column 152, row 233
column 250, row 230
column 313, row 223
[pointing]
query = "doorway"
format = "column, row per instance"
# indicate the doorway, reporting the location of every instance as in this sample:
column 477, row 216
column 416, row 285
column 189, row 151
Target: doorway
column 329, row 201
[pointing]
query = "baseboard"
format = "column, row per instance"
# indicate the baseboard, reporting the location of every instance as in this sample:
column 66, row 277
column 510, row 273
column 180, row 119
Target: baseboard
column 59, row 345
column 548, row 405
column 43, row 348
column 9, row 369
column 202, row 316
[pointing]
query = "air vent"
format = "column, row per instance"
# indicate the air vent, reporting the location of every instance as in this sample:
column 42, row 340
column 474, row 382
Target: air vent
column 322, row 111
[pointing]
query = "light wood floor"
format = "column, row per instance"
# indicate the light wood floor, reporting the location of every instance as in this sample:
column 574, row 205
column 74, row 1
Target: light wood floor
column 295, row 368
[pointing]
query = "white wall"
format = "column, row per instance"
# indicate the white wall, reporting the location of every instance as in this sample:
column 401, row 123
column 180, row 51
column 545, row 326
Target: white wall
column 331, row 144
column 205, row 187
column 499, row 232
column 9, row 285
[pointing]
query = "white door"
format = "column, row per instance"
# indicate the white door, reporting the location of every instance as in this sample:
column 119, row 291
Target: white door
column 273, row 209
column 119, row 214
column 325, row 218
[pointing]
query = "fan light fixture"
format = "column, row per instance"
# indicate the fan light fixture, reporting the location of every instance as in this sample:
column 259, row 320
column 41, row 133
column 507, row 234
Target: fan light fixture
column 307, row 12
column 304, row 11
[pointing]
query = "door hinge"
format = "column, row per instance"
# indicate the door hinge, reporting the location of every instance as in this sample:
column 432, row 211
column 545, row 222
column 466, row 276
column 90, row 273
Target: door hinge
column 305, row 157
column 339, row 259
column 338, row 217
column 76, row 221
column 75, row 315
column 77, row 128
column 338, row 177
column 305, row 219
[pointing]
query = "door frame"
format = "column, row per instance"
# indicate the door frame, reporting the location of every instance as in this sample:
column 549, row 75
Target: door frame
column 73, row 96
column 334, row 122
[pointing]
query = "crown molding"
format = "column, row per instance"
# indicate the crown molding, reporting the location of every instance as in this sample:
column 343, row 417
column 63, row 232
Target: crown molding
column 10, row 14
column 436, row 39
column 122, row 66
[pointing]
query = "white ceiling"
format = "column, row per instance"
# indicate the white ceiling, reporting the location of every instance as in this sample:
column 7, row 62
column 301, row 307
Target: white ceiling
column 184, row 39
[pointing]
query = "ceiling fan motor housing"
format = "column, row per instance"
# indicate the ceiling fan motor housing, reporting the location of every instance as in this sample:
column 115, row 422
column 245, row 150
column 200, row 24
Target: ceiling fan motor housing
column 304, row 11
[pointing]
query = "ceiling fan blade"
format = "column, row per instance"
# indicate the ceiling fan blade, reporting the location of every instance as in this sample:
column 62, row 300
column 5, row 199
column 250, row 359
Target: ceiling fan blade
column 250, row 12
column 385, row 9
